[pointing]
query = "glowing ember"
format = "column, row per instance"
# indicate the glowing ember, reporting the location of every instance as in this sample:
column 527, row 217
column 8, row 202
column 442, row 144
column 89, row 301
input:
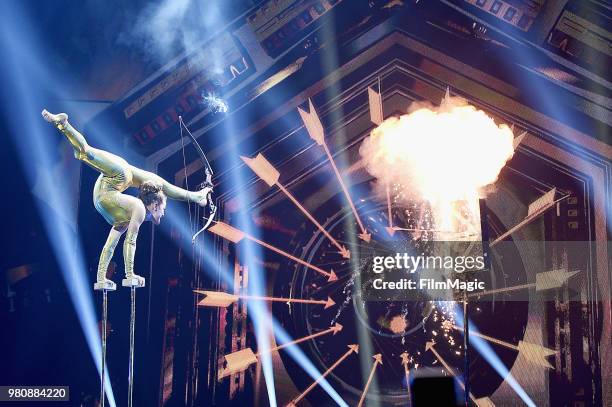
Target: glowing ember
column 215, row 103
column 398, row 324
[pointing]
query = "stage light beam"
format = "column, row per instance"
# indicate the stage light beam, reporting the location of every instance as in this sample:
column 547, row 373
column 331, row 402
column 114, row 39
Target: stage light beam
column 352, row 349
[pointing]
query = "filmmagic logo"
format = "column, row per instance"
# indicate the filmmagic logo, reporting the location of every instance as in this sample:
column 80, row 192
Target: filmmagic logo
column 429, row 284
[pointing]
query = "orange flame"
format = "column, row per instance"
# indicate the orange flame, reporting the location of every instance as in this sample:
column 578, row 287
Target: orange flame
column 440, row 154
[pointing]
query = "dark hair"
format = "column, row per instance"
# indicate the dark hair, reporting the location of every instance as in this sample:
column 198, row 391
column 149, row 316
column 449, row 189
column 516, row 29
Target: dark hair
column 150, row 193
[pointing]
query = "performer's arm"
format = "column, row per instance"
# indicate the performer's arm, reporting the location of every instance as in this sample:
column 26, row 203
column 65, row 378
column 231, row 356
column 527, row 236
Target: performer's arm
column 171, row 191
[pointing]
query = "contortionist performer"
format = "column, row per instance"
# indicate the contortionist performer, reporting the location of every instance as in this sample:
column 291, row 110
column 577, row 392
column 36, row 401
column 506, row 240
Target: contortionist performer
column 123, row 212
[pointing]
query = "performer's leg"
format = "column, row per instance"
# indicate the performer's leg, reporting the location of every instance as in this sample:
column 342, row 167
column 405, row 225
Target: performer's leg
column 107, row 252
column 74, row 137
column 138, row 213
column 107, row 163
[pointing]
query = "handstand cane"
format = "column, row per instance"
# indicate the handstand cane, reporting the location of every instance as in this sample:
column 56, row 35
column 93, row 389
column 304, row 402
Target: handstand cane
column 133, row 283
column 105, row 288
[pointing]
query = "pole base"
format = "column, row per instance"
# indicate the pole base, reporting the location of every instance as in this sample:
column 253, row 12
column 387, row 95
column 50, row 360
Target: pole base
column 135, row 282
column 106, row 285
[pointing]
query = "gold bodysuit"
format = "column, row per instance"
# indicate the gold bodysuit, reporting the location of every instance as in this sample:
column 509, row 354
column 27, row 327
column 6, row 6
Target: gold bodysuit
column 124, row 212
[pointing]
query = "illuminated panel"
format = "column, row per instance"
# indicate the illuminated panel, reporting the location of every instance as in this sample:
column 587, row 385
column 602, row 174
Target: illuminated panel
column 277, row 24
column 519, row 13
column 222, row 49
column 584, row 38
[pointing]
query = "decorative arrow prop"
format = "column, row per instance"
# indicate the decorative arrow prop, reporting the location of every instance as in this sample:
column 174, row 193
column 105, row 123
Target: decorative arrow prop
column 207, row 181
column 352, row 348
column 235, row 235
column 315, row 130
column 270, row 175
column 377, row 361
column 534, row 353
column 518, row 139
column 376, row 105
column 390, row 229
column 221, row 299
column 547, row 280
column 535, row 209
column 242, row 359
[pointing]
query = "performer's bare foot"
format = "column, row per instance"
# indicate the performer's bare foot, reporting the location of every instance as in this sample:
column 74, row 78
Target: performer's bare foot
column 54, row 118
column 105, row 284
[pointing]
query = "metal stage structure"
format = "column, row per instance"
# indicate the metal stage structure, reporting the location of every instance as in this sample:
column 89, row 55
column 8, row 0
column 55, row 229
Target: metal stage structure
column 556, row 187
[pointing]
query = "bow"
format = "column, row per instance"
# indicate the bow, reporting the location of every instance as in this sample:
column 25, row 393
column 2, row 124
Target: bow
column 208, row 180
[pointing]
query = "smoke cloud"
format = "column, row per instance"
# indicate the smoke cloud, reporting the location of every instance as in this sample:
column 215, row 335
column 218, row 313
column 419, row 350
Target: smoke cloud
column 169, row 28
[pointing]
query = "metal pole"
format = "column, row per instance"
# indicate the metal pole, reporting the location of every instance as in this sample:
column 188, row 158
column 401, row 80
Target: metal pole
column 466, row 345
column 132, row 330
column 104, row 322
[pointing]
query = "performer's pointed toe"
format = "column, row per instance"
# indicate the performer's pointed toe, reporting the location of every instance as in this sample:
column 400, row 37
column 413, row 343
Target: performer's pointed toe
column 54, row 118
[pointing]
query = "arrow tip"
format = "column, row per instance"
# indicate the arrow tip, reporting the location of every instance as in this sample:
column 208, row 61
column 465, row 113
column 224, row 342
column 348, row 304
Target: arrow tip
column 365, row 236
column 354, row 348
column 446, row 95
column 329, row 303
column 429, row 345
column 332, row 277
column 378, row 358
column 390, row 230
column 336, row 328
column 405, row 358
column 344, row 252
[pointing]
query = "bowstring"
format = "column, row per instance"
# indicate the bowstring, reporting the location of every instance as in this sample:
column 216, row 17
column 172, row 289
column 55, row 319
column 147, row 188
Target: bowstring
column 191, row 225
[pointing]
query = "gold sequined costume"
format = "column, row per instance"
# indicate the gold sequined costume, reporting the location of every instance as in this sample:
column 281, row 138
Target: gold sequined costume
column 124, row 212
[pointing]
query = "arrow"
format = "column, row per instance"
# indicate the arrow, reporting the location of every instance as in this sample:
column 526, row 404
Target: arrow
column 334, row 329
column 352, row 348
column 377, row 361
column 376, row 106
column 518, row 139
column 390, row 229
column 553, row 279
column 315, row 131
column 481, row 402
column 535, row 209
column 221, row 299
column 270, row 175
column 236, row 235
column 546, row 280
column 240, row 360
column 534, row 353
column 446, row 95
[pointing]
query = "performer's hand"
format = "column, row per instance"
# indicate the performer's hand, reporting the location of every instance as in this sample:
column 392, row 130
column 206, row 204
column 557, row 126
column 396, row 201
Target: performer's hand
column 203, row 195
column 54, row 118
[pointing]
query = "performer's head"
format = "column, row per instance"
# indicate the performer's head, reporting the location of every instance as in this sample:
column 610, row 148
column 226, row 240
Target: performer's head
column 154, row 200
